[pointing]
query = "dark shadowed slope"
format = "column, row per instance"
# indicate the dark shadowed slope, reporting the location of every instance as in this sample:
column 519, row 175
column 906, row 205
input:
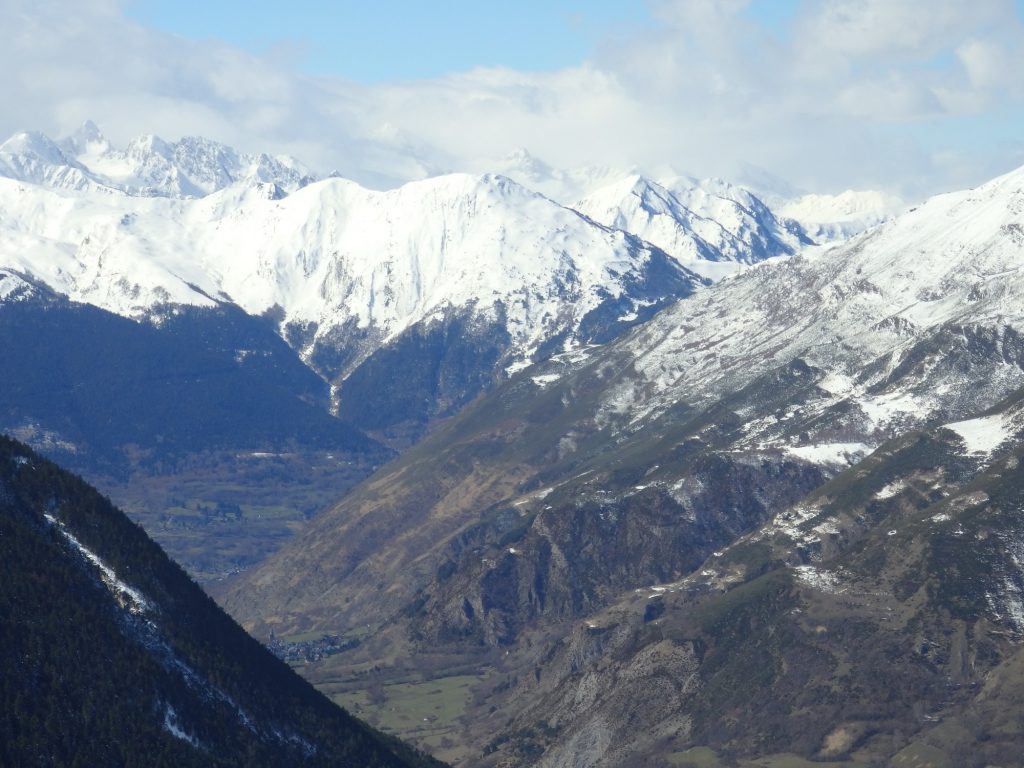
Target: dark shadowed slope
column 111, row 655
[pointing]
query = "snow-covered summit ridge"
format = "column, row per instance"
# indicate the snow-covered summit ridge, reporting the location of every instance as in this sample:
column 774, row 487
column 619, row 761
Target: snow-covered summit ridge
column 147, row 167
column 838, row 217
column 824, row 218
column 330, row 255
column 32, row 157
column 864, row 313
column 565, row 185
column 709, row 225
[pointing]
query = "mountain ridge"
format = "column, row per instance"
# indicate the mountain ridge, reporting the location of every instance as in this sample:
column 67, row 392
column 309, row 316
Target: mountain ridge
column 681, row 362
column 148, row 167
column 345, row 272
column 112, row 654
column 315, row 265
column 710, row 226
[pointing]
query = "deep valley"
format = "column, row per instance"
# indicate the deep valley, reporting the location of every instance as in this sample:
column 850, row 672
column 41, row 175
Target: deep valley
column 652, row 477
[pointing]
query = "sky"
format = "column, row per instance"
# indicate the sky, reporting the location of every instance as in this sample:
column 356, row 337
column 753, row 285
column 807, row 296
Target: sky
column 907, row 96
column 402, row 39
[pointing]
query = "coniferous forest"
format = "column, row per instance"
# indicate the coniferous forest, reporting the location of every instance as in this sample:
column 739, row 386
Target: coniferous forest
column 135, row 665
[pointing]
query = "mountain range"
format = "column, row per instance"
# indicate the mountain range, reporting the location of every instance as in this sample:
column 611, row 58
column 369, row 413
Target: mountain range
column 147, row 167
column 659, row 474
column 491, row 273
column 341, row 271
column 801, row 395
column 389, row 311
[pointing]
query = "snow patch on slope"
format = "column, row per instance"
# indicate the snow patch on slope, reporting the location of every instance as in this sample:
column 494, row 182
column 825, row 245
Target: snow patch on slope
column 819, row 579
column 840, row 454
column 126, row 596
column 891, row 490
column 172, row 726
column 891, row 406
column 983, row 435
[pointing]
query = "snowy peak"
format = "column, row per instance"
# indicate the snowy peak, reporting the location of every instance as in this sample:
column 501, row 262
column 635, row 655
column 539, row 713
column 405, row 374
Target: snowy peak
column 334, row 255
column 388, row 260
column 475, row 269
column 195, row 167
column 838, row 217
column 918, row 317
column 87, row 140
column 650, row 196
column 34, row 145
column 561, row 184
column 956, row 255
column 147, row 167
column 697, row 222
column 713, row 197
column 532, row 170
column 32, row 157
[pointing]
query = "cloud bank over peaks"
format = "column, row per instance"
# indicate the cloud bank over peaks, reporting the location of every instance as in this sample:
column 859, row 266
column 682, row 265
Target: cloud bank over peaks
column 887, row 94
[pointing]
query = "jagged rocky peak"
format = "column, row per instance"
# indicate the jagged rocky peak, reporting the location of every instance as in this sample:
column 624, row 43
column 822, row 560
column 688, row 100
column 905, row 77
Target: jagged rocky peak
column 32, row 157
column 148, row 166
column 350, row 269
column 86, row 140
column 710, row 226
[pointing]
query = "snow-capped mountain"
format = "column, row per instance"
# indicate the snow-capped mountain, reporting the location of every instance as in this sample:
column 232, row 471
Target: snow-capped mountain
column 332, row 255
column 32, row 157
column 710, row 226
column 829, row 218
column 859, row 312
column 720, row 442
column 342, row 271
column 565, row 185
column 335, row 255
column 148, row 166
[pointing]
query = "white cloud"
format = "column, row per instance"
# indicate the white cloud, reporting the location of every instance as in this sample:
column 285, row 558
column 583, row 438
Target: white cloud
column 853, row 95
column 891, row 29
